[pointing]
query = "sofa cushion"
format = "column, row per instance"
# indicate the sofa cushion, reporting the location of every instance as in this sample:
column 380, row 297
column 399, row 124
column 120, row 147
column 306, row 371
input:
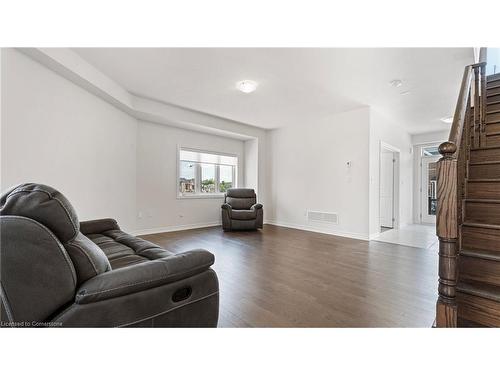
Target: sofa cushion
column 123, row 249
column 88, row 258
column 243, row 214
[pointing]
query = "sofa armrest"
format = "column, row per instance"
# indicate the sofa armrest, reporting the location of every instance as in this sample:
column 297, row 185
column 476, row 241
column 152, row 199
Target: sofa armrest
column 144, row 276
column 226, row 206
column 98, row 226
column 256, row 206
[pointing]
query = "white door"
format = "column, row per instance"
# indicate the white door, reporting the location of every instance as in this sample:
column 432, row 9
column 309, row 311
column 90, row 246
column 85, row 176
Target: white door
column 387, row 189
column 429, row 189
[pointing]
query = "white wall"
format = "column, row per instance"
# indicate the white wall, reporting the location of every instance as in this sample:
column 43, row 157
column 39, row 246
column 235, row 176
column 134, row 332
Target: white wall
column 384, row 130
column 157, row 147
column 309, row 172
column 251, row 169
column 432, row 137
column 56, row 133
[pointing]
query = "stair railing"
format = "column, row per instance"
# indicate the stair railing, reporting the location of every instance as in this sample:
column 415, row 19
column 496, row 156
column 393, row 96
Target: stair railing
column 451, row 178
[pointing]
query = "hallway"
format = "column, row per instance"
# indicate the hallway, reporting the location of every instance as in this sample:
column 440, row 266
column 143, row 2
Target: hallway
column 414, row 235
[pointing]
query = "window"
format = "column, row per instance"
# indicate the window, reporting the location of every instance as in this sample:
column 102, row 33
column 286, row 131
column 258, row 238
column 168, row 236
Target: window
column 430, row 151
column 205, row 173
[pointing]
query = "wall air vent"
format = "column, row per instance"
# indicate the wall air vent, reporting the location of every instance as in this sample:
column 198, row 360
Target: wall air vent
column 325, row 217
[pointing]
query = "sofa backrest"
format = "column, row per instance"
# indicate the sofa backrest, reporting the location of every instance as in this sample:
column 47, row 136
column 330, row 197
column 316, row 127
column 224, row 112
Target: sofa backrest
column 50, row 208
column 241, row 198
column 38, row 277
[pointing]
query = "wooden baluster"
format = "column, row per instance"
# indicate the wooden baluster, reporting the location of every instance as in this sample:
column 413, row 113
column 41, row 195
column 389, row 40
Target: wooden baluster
column 477, row 108
column 447, row 231
column 483, row 105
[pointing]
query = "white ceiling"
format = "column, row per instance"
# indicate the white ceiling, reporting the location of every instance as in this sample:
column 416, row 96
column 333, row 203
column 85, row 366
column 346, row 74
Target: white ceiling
column 297, row 86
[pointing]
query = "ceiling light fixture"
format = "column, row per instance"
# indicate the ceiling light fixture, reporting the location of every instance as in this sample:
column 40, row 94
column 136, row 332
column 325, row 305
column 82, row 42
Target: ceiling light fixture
column 447, row 120
column 396, row 83
column 246, row 86
column 405, row 92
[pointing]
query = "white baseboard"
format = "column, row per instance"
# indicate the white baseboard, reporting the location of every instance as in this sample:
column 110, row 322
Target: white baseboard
column 357, row 236
column 174, row 228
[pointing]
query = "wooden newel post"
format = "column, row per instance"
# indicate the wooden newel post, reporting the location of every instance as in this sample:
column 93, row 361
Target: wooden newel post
column 447, row 231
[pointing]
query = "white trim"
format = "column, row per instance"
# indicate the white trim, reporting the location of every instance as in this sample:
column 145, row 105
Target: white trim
column 174, row 228
column 429, row 143
column 308, row 228
column 389, row 147
column 202, row 196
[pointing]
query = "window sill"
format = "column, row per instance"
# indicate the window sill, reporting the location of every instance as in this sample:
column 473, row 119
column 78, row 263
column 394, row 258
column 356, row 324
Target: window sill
column 201, row 196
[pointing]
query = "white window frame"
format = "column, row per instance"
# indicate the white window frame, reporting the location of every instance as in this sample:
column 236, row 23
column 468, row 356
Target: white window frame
column 198, row 194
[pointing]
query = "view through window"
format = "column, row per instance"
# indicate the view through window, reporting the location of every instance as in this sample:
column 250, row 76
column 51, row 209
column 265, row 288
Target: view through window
column 205, row 173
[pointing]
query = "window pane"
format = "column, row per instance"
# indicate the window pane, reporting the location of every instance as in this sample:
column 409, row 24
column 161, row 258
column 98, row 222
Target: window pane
column 207, row 178
column 430, row 151
column 187, row 177
column 225, row 178
column 431, row 189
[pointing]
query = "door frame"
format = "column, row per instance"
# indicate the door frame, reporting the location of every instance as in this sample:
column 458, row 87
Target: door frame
column 395, row 204
column 423, row 186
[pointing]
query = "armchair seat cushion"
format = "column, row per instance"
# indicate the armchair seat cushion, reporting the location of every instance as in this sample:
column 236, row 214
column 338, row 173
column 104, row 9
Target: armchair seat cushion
column 244, row 214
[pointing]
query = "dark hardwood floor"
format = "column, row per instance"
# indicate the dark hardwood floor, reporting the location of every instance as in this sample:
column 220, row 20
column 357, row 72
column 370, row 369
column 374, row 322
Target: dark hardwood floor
column 281, row 277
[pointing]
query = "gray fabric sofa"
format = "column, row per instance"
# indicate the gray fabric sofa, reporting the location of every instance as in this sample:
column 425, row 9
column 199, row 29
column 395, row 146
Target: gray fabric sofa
column 57, row 271
column 241, row 211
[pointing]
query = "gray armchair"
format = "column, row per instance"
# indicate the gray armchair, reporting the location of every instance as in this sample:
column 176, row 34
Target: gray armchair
column 241, row 211
column 57, row 271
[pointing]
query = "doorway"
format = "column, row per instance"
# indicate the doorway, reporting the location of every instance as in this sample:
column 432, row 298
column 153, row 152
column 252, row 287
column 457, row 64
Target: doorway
column 428, row 189
column 389, row 187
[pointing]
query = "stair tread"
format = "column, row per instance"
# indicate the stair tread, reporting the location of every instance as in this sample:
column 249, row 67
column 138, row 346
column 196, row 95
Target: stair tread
column 482, row 200
column 483, row 180
column 493, row 77
column 480, row 225
column 492, row 133
column 485, row 162
column 478, row 289
column 482, row 254
column 485, row 148
column 492, row 112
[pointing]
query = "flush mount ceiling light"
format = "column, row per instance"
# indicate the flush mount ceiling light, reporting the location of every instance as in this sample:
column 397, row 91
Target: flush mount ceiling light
column 246, row 86
column 447, row 120
column 396, row 83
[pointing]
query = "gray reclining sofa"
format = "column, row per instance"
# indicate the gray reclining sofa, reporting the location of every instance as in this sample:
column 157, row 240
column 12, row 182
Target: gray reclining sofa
column 57, row 271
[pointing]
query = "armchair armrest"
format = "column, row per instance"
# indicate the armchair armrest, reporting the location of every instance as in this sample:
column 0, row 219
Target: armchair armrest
column 98, row 226
column 144, row 276
column 226, row 206
column 256, row 206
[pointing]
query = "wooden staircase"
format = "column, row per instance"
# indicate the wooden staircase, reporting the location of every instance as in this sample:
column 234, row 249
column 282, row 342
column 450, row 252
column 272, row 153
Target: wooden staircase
column 468, row 217
column 478, row 289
